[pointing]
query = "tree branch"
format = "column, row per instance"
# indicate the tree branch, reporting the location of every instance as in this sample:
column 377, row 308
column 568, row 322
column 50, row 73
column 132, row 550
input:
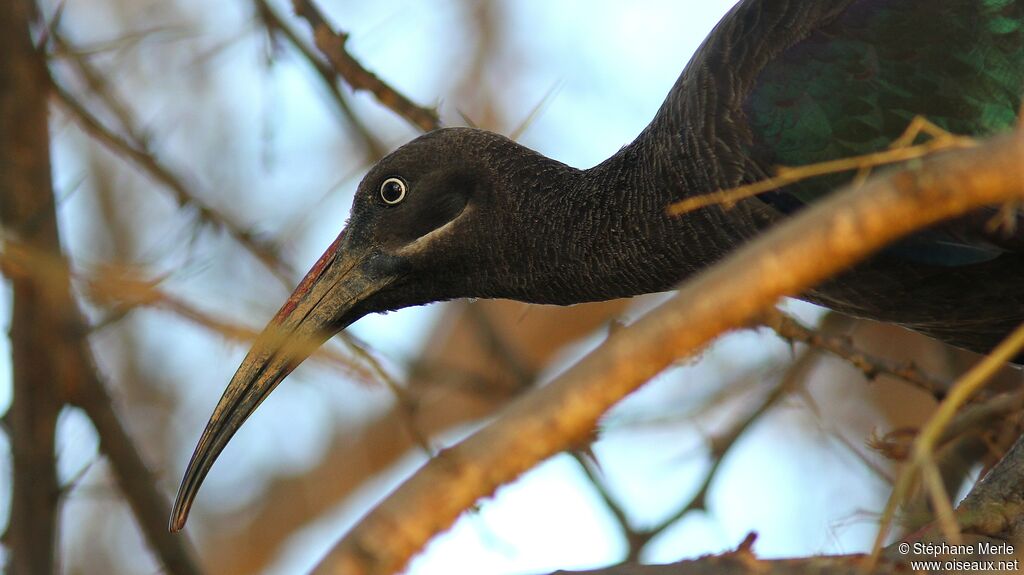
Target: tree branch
column 745, row 563
column 995, row 507
column 815, row 244
column 792, row 330
column 276, row 26
column 332, row 45
column 27, row 209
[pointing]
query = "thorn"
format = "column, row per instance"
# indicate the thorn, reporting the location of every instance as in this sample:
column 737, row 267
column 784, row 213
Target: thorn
column 587, row 453
column 615, row 325
column 1005, row 220
column 792, row 348
column 465, row 118
column 746, row 546
column 536, row 111
column 894, row 445
column 51, row 27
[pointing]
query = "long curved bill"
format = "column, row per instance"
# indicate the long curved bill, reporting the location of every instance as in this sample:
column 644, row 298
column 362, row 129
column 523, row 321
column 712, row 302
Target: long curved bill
column 325, row 302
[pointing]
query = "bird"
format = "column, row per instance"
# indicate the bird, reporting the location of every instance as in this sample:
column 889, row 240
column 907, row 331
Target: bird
column 466, row 213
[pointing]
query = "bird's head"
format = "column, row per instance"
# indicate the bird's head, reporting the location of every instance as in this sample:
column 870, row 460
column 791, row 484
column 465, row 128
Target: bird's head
column 424, row 227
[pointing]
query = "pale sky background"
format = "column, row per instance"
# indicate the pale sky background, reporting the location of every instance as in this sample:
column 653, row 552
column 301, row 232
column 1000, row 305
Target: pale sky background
column 279, row 164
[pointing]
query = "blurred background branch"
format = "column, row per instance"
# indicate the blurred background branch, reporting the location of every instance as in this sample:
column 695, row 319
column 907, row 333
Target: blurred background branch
column 39, row 311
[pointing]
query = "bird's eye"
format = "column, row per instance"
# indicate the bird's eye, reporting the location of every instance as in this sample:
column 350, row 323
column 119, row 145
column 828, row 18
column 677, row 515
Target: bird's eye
column 392, row 191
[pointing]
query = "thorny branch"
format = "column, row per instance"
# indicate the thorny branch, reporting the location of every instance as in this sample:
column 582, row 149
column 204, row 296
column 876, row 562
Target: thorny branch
column 276, row 27
column 786, row 260
column 792, row 330
column 719, row 446
column 900, row 151
column 922, row 466
column 332, row 46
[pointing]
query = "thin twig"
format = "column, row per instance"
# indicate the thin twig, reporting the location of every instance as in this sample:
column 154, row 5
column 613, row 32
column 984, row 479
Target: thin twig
column 276, row 26
column 995, row 506
column 525, row 375
column 788, row 328
column 138, row 484
column 723, row 442
column 406, row 402
column 922, row 460
column 98, row 86
column 621, row 518
column 790, row 175
column 332, row 46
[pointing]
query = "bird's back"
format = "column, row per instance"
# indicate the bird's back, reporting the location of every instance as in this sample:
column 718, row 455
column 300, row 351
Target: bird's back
column 791, row 83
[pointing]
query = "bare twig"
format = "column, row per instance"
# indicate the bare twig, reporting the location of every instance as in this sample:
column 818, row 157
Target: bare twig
column 790, row 175
column 276, row 26
column 922, row 463
column 792, row 330
column 980, row 416
column 407, row 403
column 332, row 46
column 98, row 85
column 746, row 563
column 974, row 418
column 816, row 243
column 719, row 446
column 495, row 344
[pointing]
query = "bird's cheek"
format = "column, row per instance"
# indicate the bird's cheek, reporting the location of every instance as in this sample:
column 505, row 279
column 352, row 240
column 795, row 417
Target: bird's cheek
column 387, row 264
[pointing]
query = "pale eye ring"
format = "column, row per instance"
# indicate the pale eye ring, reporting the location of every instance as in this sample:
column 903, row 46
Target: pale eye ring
column 392, row 191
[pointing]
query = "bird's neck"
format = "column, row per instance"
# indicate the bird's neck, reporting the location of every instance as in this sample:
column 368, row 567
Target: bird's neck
column 606, row 231
column 599, row 233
